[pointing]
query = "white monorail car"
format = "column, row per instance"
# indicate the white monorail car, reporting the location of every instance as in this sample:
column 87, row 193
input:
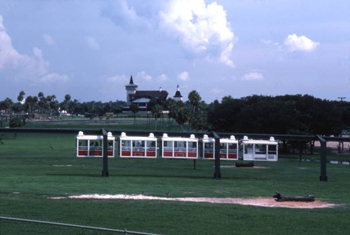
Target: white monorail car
column 228, row 148
column 179, row 147
column 260, row 150
column 92, row 145
column 138, row 146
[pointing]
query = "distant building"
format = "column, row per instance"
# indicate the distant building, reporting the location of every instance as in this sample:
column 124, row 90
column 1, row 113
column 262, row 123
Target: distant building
column 142, row 98
column 130, row 90
column 178, row 96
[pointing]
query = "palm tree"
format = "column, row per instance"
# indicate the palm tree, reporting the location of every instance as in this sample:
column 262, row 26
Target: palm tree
column 40, row 95
column 20, row 99
column 182, row 114
column 67, row 98
column 21, row 96
column 194, row 99
column 7, row 104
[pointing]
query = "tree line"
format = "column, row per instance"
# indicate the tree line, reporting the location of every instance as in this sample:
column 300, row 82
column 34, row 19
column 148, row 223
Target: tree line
column 48, row 106
column 287, row 114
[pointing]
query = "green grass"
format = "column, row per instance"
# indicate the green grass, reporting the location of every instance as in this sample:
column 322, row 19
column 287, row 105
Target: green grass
column 115, row 123
column 30, row 173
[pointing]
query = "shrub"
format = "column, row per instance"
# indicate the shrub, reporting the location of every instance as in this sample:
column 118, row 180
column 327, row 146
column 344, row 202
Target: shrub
column 16, row 122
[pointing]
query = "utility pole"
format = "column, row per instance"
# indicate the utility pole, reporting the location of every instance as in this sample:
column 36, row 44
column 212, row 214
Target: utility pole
column 342, row 98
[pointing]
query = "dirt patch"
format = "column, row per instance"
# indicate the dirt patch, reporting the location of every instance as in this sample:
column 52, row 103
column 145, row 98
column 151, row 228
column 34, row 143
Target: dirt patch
column 262, row 202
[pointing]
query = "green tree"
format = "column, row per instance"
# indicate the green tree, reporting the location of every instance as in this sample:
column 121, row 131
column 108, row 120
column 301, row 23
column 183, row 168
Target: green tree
column 171, row 107
column 134, row 108
column 16, row 122
column 67, row 98
column 21, row 96
column 198, row 113
column 7, row 104
column 182, row 114
column 157, row 112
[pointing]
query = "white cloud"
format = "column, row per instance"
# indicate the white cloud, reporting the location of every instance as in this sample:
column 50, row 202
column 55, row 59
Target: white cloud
column 118, row 78
column 202, row 29
column 252, row 76
column 125, row 16
column 54, row 77
column 300, row 43
column 1, row 25
column 91, row 42
column 48, row 40
column 184, row 76
column 34, row 68
column 162, row 78
column 143, row 75
column 10, row 58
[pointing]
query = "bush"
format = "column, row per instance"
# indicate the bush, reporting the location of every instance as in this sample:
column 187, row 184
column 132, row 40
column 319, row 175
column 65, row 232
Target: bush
column 90, row 115
column 16, row 122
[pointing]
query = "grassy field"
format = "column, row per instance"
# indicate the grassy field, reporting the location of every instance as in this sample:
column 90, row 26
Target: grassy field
column 115, row 123
column 31, row 173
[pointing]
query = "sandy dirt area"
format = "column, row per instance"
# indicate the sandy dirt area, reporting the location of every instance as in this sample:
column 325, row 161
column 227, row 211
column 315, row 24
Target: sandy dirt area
column 259, row 201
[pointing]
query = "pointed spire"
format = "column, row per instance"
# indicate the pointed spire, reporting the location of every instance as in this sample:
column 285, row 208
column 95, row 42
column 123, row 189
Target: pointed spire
column 131, row 81
column 178, row 95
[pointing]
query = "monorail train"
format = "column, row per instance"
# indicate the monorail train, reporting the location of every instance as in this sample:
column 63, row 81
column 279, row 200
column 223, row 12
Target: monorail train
column 178, row 147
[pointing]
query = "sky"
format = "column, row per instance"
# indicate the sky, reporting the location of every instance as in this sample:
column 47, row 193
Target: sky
column 89, row 49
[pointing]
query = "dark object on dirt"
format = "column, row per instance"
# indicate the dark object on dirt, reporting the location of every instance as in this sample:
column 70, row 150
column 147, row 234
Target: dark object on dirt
column 244, row 164
column 280, row 198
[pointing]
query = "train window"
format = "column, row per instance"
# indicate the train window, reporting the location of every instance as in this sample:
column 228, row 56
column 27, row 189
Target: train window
column 272, row 149
column 126, row 145
column 248, row 148
column 209, row 150
column 232, row 151
column 83, row 147
column 168, row 148
column 260, row 149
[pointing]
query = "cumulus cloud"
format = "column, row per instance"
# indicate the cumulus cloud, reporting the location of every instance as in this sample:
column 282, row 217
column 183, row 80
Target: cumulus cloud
column 184, row 76
column 48, row 40
column 124, row 15
column 34, row 68
column 162, row 78
column 54, row 77
column 143, row 75
column 252, row 76
column 300, row 43
column 91, row 43
column 1, row 24
column 202, row 29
